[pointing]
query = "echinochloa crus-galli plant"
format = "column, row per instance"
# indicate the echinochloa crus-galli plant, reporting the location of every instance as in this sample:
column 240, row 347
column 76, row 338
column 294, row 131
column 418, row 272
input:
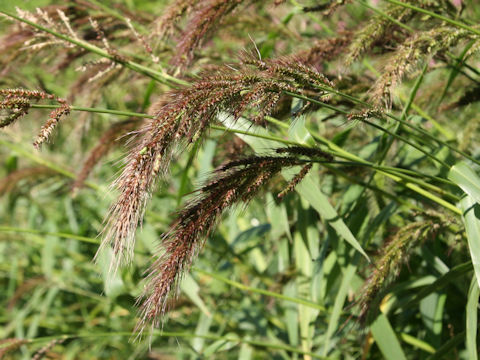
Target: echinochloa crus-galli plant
column 305, row 93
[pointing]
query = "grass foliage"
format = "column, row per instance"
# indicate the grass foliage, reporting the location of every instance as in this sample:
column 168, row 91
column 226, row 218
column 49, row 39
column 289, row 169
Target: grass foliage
column 228, row 179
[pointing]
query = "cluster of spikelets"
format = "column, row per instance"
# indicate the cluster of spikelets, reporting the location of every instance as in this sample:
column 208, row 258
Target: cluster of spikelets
column 252, row 89
column 18, row 101
column 235, row 182
column 83, row 23
column 393, row 256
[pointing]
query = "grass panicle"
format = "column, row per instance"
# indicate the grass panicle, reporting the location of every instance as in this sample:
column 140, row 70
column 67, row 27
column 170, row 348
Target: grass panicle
column 235, row 182
column 184, row 117
column 393, row 256
column 416, row 50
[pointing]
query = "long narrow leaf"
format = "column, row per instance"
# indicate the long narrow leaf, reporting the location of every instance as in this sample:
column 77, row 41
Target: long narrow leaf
column 471, row 218
column 386, row 339
column 472, row 314
column 463, row 175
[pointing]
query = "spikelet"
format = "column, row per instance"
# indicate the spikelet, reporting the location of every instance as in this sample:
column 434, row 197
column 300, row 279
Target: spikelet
column 295, row 181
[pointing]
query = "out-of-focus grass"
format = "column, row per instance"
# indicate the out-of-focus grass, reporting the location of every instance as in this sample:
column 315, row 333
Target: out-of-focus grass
column 276, row 280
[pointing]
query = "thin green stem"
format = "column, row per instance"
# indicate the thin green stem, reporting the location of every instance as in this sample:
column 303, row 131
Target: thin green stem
column 406, row 141
column 57, row 234
column 243, row 287
column 435, row 15
column 159, row 76
column 267, row 137
column 385, row 15
column 414, row 91
column 406, row 175
column 256, row 343
column 447, row 133
column 39, row 160
column 111, row 11
column 399, row 137
column 396, row 118
column 399, row 178
column 96, row 110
